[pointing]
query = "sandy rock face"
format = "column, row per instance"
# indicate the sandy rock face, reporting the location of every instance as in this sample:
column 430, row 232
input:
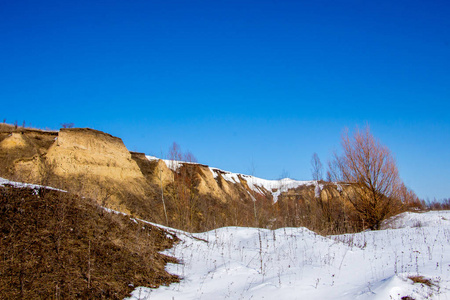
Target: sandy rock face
column 162, row 173
column 96, row 165
column 15, row 140
column 92, row 153
column 209, row 185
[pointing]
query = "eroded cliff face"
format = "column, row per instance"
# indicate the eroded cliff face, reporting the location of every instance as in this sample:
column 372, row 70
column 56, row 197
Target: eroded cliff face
column 87, row 152
column 13, row 141
column 194, row 197
column 98, row 165
column 22, row 152
column 216, row 187
column 155, row 171
column 85, row 161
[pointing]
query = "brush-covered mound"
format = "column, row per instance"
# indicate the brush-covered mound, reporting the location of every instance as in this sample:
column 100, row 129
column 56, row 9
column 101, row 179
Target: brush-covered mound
column 57, row 245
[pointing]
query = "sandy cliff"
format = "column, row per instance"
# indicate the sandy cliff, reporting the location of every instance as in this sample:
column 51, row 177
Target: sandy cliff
column 95, row 164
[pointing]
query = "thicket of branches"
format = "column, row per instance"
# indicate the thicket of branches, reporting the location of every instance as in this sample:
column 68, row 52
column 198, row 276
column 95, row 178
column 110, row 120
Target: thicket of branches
column 370, row 171
column 443, row 204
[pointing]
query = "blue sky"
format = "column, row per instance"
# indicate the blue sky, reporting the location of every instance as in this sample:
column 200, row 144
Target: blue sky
column 238, row 83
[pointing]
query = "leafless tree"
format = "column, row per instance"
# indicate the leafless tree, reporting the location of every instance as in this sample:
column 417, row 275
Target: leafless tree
column 175, row 153
column 189, row 157
column 185, row 193
column 252, row 193
column 409, row 199
column 316, row 167
column 371, row 173
column 67, row 125
column 162, row 192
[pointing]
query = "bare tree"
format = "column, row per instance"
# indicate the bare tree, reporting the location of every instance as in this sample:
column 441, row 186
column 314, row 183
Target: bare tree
column 409, row 199
column 252, row 193
column 67, row 125
column 185, row 191
column 189, row 157
column 175, row 153
column 162, row 194
column 371, row 173
column 316, row 167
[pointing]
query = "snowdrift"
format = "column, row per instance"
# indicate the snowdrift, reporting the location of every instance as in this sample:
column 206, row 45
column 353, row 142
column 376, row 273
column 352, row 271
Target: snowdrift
column 410, row 259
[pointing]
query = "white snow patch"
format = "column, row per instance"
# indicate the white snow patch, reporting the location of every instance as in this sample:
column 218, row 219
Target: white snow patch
column 317, row 189
column 411, row 220
column 259, row 185
column 4, row 182
column 174, row 165
column 276, row 187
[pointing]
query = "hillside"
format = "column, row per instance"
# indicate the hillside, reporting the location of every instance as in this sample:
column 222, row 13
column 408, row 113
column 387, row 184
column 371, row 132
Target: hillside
column 85, row 238
column 183, row 195
column 59, row 246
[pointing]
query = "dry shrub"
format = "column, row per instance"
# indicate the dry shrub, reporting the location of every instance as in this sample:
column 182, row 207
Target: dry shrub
column 422, row 280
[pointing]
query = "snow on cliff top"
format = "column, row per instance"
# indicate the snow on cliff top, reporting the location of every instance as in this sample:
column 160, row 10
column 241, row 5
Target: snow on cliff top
column 258, row 185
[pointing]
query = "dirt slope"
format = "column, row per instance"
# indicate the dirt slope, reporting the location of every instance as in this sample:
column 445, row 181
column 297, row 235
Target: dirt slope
column 57, row 245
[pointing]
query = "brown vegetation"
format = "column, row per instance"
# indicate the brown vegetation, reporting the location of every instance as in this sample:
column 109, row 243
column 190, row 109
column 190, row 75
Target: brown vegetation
column 56, row 245
column 422, row 280
column 443, row 204
column 325, row 213
column 371, row 172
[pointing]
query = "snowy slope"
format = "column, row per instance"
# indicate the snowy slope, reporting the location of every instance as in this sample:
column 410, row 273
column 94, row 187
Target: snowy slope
column 258, row 185
column 4, row 182
column 295, row 263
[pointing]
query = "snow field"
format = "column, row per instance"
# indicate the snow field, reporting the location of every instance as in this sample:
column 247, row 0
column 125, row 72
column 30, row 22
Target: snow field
column 295, row 263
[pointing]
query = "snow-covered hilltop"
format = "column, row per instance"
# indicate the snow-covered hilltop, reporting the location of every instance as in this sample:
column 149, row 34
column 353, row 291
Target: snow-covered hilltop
column 255, row 184
column 409, row 262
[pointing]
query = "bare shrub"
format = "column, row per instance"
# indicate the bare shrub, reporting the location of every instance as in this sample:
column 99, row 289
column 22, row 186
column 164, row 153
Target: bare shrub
column 316, row 167
column 371, row 172
column 422, row 280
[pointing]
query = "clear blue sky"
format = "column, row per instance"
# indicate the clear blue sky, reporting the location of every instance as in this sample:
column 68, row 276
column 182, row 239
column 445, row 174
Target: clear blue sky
column 238, row 83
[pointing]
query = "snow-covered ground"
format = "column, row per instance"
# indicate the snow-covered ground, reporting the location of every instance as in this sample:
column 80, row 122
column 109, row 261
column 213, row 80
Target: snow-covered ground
column 295, row 263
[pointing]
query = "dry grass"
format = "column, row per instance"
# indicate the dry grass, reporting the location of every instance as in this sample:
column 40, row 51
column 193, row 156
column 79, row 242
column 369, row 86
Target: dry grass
column 422, row 280
column 56, row 245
